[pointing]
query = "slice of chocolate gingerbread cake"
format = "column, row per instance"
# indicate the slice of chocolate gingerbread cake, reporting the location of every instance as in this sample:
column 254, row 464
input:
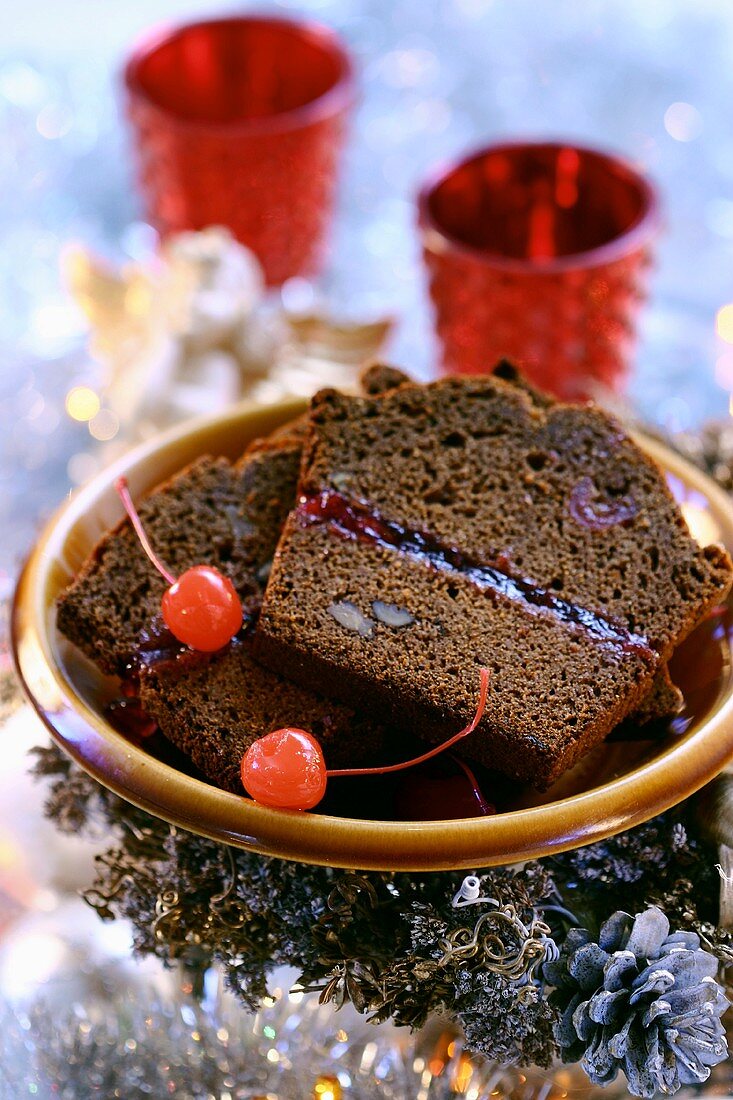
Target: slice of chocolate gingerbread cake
column 213, row 711
column 213, row 512
column 462, row 524
column 212, row 707
column 663, row 699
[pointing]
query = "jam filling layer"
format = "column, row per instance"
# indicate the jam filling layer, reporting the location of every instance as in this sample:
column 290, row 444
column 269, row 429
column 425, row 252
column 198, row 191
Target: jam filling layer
column 158, row 648
column 355, row 520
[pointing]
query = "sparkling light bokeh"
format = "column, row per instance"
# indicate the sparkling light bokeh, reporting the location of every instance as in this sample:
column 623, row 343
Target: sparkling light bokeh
column 435, row 80
column 82, row 403
column 724, row 323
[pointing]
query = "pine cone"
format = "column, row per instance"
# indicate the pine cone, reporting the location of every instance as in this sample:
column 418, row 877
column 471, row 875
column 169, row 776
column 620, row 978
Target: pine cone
column 640, row 1000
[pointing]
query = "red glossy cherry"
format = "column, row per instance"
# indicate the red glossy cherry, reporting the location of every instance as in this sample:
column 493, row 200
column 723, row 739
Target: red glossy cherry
column 202, row 609
column 285, row 769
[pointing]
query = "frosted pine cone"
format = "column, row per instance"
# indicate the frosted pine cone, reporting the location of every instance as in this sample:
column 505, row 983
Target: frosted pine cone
column 640, row 1000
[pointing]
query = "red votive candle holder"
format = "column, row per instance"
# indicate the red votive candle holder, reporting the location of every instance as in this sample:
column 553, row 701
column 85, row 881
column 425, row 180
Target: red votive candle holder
column 240, row 122
column 539, row 253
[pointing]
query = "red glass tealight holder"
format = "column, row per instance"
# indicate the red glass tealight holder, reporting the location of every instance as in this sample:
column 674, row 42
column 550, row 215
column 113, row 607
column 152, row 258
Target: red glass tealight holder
column 240, row 122
column 539, row 252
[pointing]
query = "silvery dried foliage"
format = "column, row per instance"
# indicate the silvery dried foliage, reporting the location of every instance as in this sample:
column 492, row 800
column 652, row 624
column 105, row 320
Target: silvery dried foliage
column 396, row 947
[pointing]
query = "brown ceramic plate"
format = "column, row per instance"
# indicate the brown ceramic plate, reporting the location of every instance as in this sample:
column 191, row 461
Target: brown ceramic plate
column 622, row 783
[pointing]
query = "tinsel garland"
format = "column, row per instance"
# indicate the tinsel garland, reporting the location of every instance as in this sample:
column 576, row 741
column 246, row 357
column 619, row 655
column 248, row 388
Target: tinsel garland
column 141, row 1044
column 481, row 950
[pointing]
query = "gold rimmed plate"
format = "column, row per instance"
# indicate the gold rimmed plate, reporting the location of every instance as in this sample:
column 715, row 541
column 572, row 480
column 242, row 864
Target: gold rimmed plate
column 637, row 773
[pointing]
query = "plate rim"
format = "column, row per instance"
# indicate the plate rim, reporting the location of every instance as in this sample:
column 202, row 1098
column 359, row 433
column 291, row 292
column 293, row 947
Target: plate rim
column 128, row 771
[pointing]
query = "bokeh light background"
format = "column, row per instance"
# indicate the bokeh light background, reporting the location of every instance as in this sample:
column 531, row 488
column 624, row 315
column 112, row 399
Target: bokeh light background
column 652, row 79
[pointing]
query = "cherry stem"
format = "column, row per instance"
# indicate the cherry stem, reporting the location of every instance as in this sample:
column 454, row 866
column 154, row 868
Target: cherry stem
column 475, row 789
column 123, row 491
column 484, row 673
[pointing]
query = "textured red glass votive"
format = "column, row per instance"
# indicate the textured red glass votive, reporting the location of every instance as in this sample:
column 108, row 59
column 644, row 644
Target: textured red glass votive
column 539, row 252
column 240, row 122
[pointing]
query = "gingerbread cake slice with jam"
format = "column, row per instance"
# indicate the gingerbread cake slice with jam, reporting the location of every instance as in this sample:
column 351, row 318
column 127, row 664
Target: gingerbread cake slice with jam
column 214, row 512
column 213, row 710
column 210, row 706
column 462, row 524
column 664, row 699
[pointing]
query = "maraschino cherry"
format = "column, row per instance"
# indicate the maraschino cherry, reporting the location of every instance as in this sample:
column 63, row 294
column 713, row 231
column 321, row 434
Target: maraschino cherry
column 201, row 608
column 286, row 769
